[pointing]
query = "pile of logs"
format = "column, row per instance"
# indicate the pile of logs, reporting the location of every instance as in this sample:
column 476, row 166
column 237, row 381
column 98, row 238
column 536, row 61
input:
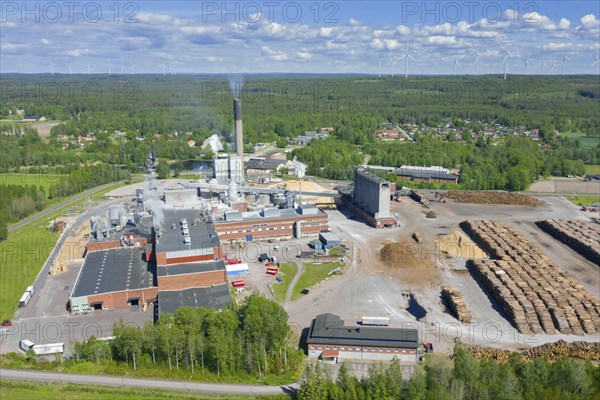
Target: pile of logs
column 581, row 236
column 535, row 294
column 455, row 300
column 553, row 351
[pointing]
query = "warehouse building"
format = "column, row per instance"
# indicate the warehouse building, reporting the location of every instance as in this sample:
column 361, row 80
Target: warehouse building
column 271, row 223
column 426, row 174
column 217, row 297
column 189, row 275
column 330, row 340
column 329, row 240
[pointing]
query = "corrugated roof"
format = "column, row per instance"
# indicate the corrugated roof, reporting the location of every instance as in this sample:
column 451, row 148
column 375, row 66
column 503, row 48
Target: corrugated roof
column 330, row 329
column 190, row 268
column 217, row 297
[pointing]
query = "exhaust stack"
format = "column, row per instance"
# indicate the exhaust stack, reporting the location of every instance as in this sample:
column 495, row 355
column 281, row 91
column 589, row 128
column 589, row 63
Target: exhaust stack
column 239, row 133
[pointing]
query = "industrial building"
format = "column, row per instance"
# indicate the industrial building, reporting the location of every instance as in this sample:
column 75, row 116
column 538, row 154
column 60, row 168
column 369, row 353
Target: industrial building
column 426, row 174
column 330, row 340
column 217, row 297
column 228, row 169
column 306, row 220
column 329, row 240
column 371, row 198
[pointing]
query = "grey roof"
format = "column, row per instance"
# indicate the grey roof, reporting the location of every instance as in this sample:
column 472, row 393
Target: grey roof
column 329, row 237
column 370, row 176
column 217, row 297
column 424, row 174
column 283, row 213
column 202, row 233
column 330, row 329
column 113, row 270
column 259, row 163
column 190, row 268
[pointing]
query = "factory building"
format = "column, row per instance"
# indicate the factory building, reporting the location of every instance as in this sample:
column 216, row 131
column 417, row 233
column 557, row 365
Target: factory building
column 426, row 174
column 271, row 223
column 228, row 169
column 216, row 297
column 330, row 340
column 190, row 275
column 371, row 198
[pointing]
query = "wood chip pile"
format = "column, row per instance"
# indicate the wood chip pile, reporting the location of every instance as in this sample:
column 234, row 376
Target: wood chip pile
column 581, row 236
column 455, row 300
column 536, row 295
column 492, row 197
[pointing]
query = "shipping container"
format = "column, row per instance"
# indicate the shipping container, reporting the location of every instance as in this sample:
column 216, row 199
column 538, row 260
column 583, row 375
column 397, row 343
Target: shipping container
column 375, row 321
column 272, row 271
column 42, row 349
column 238, row 283
column 24, row 299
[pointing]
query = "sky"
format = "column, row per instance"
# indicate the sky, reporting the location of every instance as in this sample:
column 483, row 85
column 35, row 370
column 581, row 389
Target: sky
column 366, row 37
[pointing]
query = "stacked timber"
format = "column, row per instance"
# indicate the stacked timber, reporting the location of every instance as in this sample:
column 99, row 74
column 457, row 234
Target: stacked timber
column 552, row 351
column 455, row 300
column 581, row 236
column 535, row 294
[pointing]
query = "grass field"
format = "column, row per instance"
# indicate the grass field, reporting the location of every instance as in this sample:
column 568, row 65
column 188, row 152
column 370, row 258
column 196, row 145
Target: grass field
column 23, row 254
column 584, row 200
column 313, row 274
column 31, row 179
column 288, row 272
column 18, row 390
column 592, row 169
column 587, row 142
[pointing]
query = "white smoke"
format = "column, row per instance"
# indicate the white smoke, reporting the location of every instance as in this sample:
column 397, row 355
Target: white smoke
column 152, row 202
column 236, row 85
column 214, row 142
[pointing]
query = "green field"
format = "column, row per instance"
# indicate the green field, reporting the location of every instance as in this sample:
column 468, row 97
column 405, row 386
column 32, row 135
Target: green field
column 23, row 254
column 288, row 272
column 18, row 390
column 587, row 142
column 592, row 169
column 584, row 200
column 313, row 274
column 31, row 179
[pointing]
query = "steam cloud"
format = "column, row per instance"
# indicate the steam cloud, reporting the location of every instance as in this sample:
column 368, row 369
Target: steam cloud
column 214, row 142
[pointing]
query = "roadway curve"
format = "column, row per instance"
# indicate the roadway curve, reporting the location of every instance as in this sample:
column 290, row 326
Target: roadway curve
column 60, row 205
column 105, row 380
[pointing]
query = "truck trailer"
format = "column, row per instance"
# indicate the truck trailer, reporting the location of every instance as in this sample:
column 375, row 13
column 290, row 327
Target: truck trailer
column 25, row 299
column 42, row 349
column 375, row 321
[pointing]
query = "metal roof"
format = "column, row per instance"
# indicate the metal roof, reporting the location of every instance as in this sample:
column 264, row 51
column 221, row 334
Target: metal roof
column 217, row 297
column 330, row 329
column 190, row 268
column 258, row 163
column 113, row 270
column 202, row 233
column 424, row 174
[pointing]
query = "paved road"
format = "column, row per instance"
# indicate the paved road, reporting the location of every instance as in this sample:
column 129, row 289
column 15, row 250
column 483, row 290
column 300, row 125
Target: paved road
column 288, row 295
column 59, row 206
column 104, row 380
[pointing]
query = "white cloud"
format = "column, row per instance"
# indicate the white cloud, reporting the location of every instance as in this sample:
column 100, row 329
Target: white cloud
column 564, row 23
column 326, row 32
column 304, row 55
column 403, row 30
column 353, row 22
column 589, row 21
column 78, row 52
column 276, row 55
column 45, row 41
column 442, row 40
column 377, row 44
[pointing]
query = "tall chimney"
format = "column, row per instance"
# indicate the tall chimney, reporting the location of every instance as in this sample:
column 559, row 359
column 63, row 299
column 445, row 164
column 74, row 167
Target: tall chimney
column 239, row 133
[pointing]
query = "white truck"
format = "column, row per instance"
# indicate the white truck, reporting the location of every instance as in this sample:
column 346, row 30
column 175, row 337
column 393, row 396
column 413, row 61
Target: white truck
column 42, row 349
column 24, row 299
column 375, row 321
column 30, row 289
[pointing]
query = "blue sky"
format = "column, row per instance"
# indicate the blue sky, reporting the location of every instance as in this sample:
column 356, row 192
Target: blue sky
column 300, row 36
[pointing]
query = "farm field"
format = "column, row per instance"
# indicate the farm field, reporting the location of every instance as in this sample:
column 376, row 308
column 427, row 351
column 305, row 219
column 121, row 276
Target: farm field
column 587, row 142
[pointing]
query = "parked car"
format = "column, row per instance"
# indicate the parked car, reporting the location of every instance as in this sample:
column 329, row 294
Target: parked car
column 6, row 322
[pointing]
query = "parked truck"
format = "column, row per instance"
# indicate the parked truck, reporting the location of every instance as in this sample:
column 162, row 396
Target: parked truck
column 30, row 289
column 375, row 321
column 25, row 299
column 42, row 349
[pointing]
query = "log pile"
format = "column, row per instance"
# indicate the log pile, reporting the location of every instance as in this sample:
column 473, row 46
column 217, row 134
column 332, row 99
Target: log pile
column 553, row 351
column 455, row 300
column 581, row 236
column 535, row 294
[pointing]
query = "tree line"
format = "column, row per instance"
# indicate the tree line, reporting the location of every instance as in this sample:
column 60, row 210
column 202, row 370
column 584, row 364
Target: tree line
column 252, row 339
column 462, row 377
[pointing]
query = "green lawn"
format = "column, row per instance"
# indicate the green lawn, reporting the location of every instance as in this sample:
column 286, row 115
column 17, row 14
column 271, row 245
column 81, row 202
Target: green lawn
column 584, row 200
column 313, row 274
column 592, row 169
column 18, row 390
column 23, row 254
column 587, row 142
column 287, row 271
column 31, row 179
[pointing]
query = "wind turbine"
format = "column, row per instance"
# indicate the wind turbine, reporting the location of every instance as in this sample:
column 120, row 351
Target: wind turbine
column 109, row 65
column 122, row 67
column 131, row 69
column 597, row 62
column 380, row 60
column 70, row 70
column 164, row 67
column 171, row 70
column 476, row 64
column 526, row 65
column 564, row 60
column 51, row 66
column 392, row 61
column 505, row 61
column 88, row 67
column 406, row 57
column 455, row 65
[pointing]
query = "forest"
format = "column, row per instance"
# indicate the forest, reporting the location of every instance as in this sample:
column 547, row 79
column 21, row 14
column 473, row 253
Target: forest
column 276, row 107
column 250, row 340
column 461, row 377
